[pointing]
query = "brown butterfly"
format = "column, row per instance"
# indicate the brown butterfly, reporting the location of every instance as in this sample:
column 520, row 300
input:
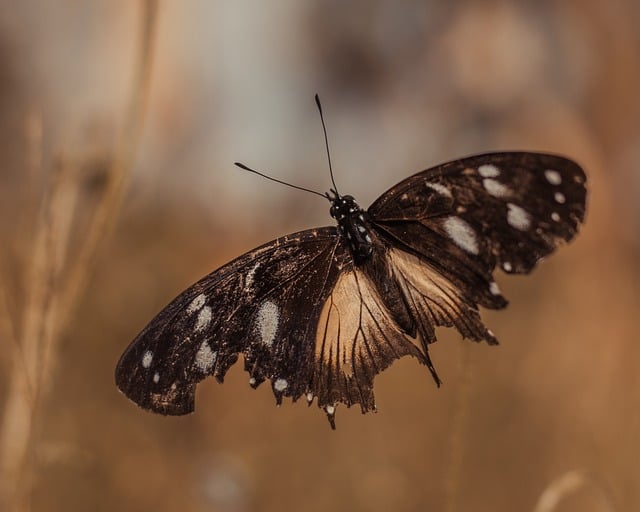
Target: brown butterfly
column 321, row 312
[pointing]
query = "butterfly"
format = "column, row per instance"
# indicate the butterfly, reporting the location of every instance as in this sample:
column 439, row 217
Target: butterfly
column 319, row 313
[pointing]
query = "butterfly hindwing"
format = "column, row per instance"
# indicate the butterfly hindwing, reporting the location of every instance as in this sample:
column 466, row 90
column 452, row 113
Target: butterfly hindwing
column 357, row 338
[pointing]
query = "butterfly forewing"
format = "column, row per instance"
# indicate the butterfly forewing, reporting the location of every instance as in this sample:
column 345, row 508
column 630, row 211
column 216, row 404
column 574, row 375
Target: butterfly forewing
column 499, row 208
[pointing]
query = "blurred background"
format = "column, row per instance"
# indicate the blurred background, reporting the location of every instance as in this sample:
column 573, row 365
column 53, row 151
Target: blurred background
column 120, row 123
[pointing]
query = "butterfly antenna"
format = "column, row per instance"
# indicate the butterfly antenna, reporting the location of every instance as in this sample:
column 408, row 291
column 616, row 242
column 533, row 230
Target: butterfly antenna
column 326, row 143
column 244, row 167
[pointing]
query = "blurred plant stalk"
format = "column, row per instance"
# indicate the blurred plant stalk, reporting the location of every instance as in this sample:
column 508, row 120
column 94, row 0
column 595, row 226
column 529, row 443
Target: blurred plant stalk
column 570, row 483
column 56, row 279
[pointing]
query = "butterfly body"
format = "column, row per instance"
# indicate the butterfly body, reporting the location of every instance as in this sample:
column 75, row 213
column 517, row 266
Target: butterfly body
column 321, row 312
column 352, row 226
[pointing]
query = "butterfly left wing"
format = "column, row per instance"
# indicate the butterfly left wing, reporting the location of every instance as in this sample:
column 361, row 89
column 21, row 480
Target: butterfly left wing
column 264, row 305
column 448, row 227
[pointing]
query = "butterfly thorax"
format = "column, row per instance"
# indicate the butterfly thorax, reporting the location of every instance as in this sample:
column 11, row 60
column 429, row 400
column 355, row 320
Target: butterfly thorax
column 353, row 226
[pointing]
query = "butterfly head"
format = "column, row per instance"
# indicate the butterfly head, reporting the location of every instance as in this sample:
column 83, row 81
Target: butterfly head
column 343, row 206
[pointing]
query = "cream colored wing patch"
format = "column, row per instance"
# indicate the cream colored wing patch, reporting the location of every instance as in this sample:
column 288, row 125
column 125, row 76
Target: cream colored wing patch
column 356, row 339
column 434, row 301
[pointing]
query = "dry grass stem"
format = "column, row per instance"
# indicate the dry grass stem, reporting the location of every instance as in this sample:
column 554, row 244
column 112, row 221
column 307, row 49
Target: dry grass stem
column 20, row 406
column 106, row 212
column 569, row 483
column 7, row 327
column 50, row 300
column 39, row 330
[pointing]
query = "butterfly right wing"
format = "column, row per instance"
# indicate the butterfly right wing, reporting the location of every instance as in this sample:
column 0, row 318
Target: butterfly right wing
column 448, row 227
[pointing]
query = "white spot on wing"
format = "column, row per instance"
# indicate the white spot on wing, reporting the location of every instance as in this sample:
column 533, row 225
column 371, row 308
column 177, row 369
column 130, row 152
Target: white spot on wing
column 205, row 357
column 507, row 266
column 196, row 303
column 204, row 319
column 462, row 234
column 156, row 377
column 250, row 275
column 555, row 216
column 494, row 289
column 559, row 197
column 440, row 189
column 147, row 357
column 488, row 171
column 495, row 188
column 553, row 177
column 518, row 218
column 280, row 385
column 309, row 397
column 331, row 410
column 252, row 381
column 268, row 318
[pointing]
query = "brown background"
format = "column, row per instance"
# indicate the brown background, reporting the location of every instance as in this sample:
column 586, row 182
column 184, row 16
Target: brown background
column 552, row 413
